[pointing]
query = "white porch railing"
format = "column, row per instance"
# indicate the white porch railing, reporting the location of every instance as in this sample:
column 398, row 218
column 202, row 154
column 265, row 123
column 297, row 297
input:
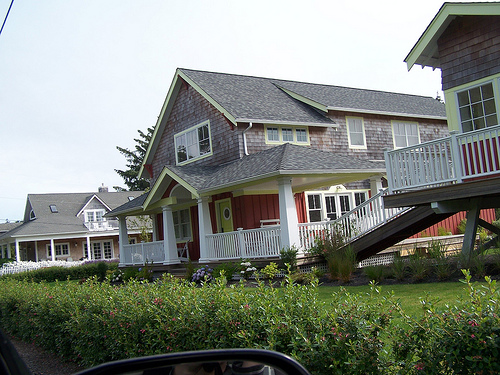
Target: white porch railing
column 241, row 244
column 103, row 225
column 355, row 223
column 444, row 161
column 143, row 252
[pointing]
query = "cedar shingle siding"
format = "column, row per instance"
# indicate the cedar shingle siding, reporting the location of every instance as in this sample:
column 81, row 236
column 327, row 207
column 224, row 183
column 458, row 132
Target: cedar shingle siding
column 469, row 50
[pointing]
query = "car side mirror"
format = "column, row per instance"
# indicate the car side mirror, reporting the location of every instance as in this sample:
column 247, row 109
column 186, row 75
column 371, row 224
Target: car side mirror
column 216, row 362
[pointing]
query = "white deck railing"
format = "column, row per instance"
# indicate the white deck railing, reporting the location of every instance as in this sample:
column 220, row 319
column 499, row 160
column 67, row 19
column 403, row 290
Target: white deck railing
column 362, row 219
column 444, row 161
column 143, row 252
column 241, row 244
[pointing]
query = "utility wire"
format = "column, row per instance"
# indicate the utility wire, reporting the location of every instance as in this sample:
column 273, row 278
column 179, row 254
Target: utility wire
column 7, row 15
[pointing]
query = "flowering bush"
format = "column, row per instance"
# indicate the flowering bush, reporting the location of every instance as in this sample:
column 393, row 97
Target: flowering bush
column 116, row 276
column 247, row 269
column 202, row 275
column 97, row 322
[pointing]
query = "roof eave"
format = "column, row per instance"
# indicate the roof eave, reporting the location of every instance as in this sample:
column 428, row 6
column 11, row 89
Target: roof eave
column 423, row 51
column 385, row 113
column 286, row 122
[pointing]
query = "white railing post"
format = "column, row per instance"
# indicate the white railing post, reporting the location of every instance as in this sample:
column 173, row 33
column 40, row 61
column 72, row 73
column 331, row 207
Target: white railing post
column 241, row 239
column 455, row 156
column 388, row 169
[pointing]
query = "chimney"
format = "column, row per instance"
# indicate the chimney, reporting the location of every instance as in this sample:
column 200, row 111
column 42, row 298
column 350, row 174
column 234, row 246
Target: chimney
column 102, row 189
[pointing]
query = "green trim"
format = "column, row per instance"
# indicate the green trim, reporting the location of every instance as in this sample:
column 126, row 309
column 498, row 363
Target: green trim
column 305, row 100
column 427, row 43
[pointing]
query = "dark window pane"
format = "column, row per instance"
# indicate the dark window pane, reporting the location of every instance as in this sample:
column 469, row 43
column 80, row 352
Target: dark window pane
column 475, row 95
column 487, row 91
column 465, row 113
column 491, row 120
column 463, row 98
column 314, row 216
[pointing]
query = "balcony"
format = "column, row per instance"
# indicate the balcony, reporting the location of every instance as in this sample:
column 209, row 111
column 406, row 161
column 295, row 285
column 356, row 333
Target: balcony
column 446, row 161
column 101, row 226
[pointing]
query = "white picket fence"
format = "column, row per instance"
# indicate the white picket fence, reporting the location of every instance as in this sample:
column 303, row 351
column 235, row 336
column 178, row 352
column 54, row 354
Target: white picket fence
column 16, row 267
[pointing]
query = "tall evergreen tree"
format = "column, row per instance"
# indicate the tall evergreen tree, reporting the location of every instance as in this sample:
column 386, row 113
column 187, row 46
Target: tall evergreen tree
column 134, row 163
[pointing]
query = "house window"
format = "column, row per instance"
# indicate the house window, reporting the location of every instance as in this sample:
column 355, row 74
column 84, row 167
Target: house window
column 94, row 215
column 287, row 134
column 194, row 143
column 182, row 225
column 61, row 249
column 356, row 132
column 359, row 198
column 476, row 107
column 100, row 249
column 280, row 134
column 314, row 207
column 53, row 208
column 331, row 207
column 405, row 134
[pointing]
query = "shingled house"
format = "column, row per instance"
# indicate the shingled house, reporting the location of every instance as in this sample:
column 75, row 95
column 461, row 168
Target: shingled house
column 73, row 224
column 237, row 163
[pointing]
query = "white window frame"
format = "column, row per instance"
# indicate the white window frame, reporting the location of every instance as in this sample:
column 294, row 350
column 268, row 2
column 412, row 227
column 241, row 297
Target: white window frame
column 470, row 105
column 178, row 224
column 60, row 246
column 283, row 134
column 102, row 249
column 349, row 121
column 95, row 216
column 394, row 122
column 350, row 195
column 191, row 134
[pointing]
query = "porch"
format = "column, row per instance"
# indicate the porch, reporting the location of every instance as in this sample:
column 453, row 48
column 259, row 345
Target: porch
column 266, row 242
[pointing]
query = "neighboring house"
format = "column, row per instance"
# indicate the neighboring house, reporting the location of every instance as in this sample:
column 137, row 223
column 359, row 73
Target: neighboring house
column 71, row 224
column 460, row 172
column 237, row 164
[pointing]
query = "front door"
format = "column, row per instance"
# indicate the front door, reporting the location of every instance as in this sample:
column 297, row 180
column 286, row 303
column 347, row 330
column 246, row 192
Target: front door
column 224, row 216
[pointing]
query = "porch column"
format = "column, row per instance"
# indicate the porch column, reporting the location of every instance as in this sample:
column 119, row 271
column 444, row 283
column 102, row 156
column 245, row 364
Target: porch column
column 89, row 250
column 289, row 221
column 36, row 251
column 156, row 236
column 18, row 253
column 9, row 255
column 169, row 243
column 122, row 237
column 472, row 217
column 52, row 250
column 205, row 226
column 375, row 185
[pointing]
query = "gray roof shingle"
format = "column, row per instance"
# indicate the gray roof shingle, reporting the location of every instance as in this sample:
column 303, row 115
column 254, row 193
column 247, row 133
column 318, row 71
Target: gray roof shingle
column 256, row 98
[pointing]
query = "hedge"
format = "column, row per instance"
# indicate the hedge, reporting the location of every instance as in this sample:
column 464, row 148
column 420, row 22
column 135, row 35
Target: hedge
column 97, row 322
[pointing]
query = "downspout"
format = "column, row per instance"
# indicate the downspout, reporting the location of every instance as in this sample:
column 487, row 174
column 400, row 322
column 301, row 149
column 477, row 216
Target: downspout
column 245, row 138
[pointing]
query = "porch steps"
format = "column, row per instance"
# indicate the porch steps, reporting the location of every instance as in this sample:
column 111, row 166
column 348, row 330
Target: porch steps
column 399, row 228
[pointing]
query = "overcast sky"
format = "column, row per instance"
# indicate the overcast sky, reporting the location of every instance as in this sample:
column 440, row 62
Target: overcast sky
column 80, row 77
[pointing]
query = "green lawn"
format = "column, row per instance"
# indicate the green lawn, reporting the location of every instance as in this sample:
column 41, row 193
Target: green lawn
column 409, row 295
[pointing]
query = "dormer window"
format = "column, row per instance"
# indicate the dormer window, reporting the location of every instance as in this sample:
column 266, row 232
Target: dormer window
column 94, row 215
column 286, row 134
column 476, row 107
column 53, row 208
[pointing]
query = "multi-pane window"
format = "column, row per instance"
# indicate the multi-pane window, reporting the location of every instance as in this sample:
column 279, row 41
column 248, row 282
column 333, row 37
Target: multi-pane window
column 301, row 134
column 280, row 134
column 94, row 215
column 329, row 205
column 356, row 132
column 193, row 143
column 61, row 249
column 182, row 224
column 477, row 108
column 273, row 135
column 405, row 134
column 100, row 249
column 287, row 134
column 314, row 207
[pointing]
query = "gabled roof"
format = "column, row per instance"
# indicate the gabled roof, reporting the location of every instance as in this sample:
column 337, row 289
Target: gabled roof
column 245, row 99
column 66, row 219
column 306, row 166
column 425, row 51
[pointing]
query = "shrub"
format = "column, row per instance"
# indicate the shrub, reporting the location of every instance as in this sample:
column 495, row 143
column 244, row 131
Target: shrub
column 398, row 266
column 460, row 340
column 229, row 269
column 289, row 256
column 417, row 265
column 270, row 271
column 441, row 264
column 203, row 275
column 375, row 273
column 342, row 264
